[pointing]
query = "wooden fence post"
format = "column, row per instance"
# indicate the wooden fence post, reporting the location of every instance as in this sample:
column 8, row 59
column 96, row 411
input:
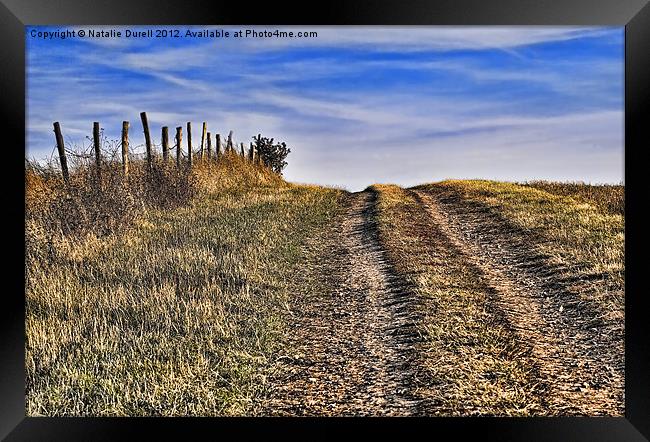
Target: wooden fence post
column 61, row 148
column 125, row 147
column 229, row 146
column 147, row 137
column 98, row 155
column 250, row 152
column 209, row 146
column 165, row 143
column 179, row 139
column 258, row 141
column 242, row 150
column 217, row 146
column 189, row 143
column 205, row 127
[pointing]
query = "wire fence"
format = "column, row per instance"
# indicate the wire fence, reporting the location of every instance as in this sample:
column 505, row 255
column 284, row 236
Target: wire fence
column 102, row 150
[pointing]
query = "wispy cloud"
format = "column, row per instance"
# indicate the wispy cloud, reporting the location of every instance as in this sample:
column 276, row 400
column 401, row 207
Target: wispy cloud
column 359, row 104
column 441, row 38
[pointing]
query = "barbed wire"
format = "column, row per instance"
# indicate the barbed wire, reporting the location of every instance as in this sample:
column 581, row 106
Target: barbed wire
column 112, row 148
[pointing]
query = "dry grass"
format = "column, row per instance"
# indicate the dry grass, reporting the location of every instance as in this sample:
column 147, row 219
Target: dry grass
column 168, row 293
column 178, row 312
column 609, row 198
column 578, row 236
column 475, row 364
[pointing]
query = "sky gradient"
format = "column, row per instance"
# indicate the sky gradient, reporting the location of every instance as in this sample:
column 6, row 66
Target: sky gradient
column 356, row 105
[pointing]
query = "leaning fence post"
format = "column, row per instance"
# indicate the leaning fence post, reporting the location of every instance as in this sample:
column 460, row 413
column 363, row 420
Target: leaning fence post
column 242, row 150
column 179, row 139
column 217, row 146
column 205, row 127
column 229, row 144
column 125, row 147
column 147, row 137
column 165, row 143
column 189, row 143
column 61, row 148
column 98, row 155
column 209, row 146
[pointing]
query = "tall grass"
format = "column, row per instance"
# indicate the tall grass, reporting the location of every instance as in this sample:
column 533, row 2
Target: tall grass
column 176, row 304
column 609, row 198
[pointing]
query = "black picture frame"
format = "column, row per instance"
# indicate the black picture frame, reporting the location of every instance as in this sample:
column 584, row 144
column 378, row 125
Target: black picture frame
column 633, row 14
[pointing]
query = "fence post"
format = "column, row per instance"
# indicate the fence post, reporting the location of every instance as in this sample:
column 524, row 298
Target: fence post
column 98, row 155
column 61, row 148
column 217, row 146
column 250, row 152
column 229, row 144
column 179, row 139
column 165, row 143
column 125, row 147
column 147, row 137
column 258, row 141
column 209, row 146
column 242, row 150
column 189, row 143
column 205, row 127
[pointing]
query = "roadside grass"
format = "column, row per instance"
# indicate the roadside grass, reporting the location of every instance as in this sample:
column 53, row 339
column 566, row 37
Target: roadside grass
column 579, row 236
column 475, row 364
column 177, row 314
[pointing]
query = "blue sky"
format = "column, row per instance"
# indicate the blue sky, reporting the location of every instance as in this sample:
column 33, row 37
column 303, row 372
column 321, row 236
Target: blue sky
column 357, row 105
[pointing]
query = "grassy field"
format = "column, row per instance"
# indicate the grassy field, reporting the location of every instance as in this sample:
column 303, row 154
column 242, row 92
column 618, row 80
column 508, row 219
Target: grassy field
column 174, row 294
column 179, row 313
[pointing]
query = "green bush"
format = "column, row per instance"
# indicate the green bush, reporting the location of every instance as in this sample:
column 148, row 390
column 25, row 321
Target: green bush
column 272, row 155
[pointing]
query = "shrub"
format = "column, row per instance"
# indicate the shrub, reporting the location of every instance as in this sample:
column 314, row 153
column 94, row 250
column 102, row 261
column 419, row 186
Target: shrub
column 87, row 206
column 272, row 155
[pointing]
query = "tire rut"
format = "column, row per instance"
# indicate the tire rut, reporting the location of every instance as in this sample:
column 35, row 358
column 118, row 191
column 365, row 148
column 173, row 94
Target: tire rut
column 579, row 356
column 353, row 331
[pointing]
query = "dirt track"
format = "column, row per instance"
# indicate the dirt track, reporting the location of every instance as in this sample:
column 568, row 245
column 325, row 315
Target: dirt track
column 578, row 357
column 351, row 343
column 354, row 344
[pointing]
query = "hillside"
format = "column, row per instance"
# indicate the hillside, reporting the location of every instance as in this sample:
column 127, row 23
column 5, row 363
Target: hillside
column 254, row 296
column 176, row 315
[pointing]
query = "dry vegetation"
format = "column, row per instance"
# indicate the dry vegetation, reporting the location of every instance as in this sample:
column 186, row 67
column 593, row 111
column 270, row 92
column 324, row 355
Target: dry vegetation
column 583, row 238
column 546, row 269
column 175, row 304
column 609, row 198
column 225, row 290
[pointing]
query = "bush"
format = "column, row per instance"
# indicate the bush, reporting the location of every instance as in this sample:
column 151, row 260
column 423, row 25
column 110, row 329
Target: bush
column 86, row 206
column 272, row 155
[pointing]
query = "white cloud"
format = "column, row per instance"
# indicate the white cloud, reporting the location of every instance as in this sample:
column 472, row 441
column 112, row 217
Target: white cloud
column 435, row 38
column 223, row 53
column 353, row 137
